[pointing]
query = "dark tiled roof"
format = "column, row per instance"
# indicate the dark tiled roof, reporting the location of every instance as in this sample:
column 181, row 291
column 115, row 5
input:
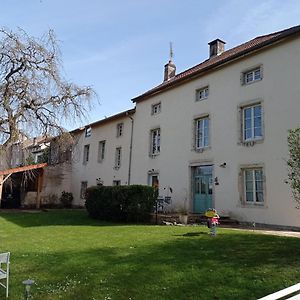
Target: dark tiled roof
column 216, row 61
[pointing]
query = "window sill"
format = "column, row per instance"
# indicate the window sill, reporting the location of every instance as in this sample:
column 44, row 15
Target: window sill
column 154, row 155
column 253, row 205
column 251, row 82
column 200, row 150
column 251, row 143
column 116, row 168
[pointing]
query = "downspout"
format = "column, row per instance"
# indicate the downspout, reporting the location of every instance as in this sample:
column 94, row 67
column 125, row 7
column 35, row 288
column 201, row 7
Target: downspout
column 130, row 149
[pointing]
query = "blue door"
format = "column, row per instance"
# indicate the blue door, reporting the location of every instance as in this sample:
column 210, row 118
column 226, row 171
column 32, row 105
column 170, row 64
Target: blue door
column 202, row 188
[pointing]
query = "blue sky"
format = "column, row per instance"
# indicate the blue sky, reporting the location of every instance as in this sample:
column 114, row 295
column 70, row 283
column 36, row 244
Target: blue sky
column 120, row 47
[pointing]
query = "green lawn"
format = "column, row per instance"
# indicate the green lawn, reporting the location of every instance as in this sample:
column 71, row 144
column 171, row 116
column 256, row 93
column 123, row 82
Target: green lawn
column 72, row 257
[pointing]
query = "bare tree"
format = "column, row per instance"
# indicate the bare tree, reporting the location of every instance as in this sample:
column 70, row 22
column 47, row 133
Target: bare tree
column 34, row 98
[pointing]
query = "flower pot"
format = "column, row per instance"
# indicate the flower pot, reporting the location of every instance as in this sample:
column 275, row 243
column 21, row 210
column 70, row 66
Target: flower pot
column 183, row 219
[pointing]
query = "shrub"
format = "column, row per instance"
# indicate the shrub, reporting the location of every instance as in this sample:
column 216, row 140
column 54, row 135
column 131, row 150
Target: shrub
column 66, row 199
column 132, row 203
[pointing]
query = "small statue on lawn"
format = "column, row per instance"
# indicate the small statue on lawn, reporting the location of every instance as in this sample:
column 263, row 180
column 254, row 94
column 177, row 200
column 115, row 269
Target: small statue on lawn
column 212, row 220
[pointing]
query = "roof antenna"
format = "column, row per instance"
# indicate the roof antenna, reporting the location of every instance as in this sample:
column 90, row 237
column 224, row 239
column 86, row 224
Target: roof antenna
column 171, row 52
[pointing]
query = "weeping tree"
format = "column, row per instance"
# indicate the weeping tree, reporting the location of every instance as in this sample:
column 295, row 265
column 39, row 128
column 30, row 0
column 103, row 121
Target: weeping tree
column 294, row 163
column 34, row 97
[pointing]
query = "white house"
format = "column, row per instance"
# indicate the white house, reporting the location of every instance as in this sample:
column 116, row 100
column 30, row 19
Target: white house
column 215, row 135
column 102, row 154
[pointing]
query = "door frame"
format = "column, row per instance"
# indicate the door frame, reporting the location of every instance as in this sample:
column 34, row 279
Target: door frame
column 192, row 167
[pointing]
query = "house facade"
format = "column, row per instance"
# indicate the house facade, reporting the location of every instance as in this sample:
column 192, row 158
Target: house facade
column 214, row 135
column 102, row 154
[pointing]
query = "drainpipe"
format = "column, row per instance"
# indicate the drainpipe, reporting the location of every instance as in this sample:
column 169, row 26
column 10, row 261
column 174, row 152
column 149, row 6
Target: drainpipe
column 130, row 150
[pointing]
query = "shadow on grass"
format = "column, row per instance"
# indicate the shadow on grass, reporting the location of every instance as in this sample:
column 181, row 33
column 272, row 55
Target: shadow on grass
column 231, row 266
column 53, row 218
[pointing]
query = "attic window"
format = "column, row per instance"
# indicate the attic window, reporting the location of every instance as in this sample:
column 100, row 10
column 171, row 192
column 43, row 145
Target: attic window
column 88, row 131
column 252, row 75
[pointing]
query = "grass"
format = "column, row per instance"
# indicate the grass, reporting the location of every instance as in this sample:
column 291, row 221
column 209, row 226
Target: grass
column 71, row 257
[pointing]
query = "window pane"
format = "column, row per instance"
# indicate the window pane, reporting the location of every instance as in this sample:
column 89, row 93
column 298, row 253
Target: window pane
column 248, row 124
column 247, row 113
column 248, row 175
column 249, row 77
column 257, row 74
column 248, row 134
column 258, row 175
column 257, row 111
column 249, row 186
column 249, row 196
column 259, row 197
column 259, row 186
column 257, row 132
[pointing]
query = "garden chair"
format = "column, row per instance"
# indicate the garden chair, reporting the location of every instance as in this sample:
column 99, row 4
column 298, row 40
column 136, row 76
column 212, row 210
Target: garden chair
column 4, row 274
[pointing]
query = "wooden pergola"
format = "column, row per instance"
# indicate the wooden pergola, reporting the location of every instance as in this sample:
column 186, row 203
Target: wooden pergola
column 4, row 175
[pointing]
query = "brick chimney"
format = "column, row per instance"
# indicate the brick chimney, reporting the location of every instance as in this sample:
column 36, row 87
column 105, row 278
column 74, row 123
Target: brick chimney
column 170, row 70
column 216, row 47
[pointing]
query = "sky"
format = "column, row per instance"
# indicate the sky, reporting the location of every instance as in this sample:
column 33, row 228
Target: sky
column 120, row 47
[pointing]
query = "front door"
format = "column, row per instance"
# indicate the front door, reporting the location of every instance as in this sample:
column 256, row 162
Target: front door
column 202, row 188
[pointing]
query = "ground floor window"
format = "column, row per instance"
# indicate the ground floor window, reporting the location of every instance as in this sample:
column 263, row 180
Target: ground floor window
column 116, row 182
column 253, row 185
column 83, row 189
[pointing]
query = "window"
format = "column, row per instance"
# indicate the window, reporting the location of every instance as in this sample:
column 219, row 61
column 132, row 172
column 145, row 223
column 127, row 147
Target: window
column 101, row 151
column 156, row 108
column 202, row 94
column 202, row 133
column 253, row 185
column 252, row 122
column 252, row 75
column 83, row 189
column 116, row 182
column 155, row 142
column 118, row 157
column 88, row 131
column 120, row 127
column 86, row 154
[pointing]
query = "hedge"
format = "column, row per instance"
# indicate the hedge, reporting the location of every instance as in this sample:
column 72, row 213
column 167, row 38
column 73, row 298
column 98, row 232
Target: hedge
column 133, row 203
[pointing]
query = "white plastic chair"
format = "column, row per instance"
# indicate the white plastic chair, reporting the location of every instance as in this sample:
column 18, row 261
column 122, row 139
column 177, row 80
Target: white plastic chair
column 4, row 274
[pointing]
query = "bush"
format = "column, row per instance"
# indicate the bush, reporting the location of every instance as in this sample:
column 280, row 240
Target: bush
column 66, row 199
column 133, row 203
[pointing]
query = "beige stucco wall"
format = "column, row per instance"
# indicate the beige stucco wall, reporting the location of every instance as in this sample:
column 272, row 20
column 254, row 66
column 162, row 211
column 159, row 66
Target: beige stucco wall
column 279, row 91
column 105, row 170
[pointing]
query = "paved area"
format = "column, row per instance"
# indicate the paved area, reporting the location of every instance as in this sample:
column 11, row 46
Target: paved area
column 270, row 232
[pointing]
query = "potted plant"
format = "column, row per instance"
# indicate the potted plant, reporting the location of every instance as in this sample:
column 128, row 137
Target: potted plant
column 183, row 215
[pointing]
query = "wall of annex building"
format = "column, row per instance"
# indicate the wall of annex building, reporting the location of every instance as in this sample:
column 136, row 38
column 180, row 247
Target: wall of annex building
column 104, row 170
column 278, row 92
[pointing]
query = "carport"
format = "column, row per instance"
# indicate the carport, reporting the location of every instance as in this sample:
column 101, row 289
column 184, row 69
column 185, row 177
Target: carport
column 39, row 177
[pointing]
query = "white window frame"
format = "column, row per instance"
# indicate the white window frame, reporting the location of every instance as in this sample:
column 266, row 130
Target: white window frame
column 254, row 189
column 155, row 142
column 120, row 129
column 202, row 94
column 200, row 137
column 118, row 157
column 156, row 108
column 251, row 74
column 253, row 137
column 88, row 131
column 86, row 153
column 101, row 150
